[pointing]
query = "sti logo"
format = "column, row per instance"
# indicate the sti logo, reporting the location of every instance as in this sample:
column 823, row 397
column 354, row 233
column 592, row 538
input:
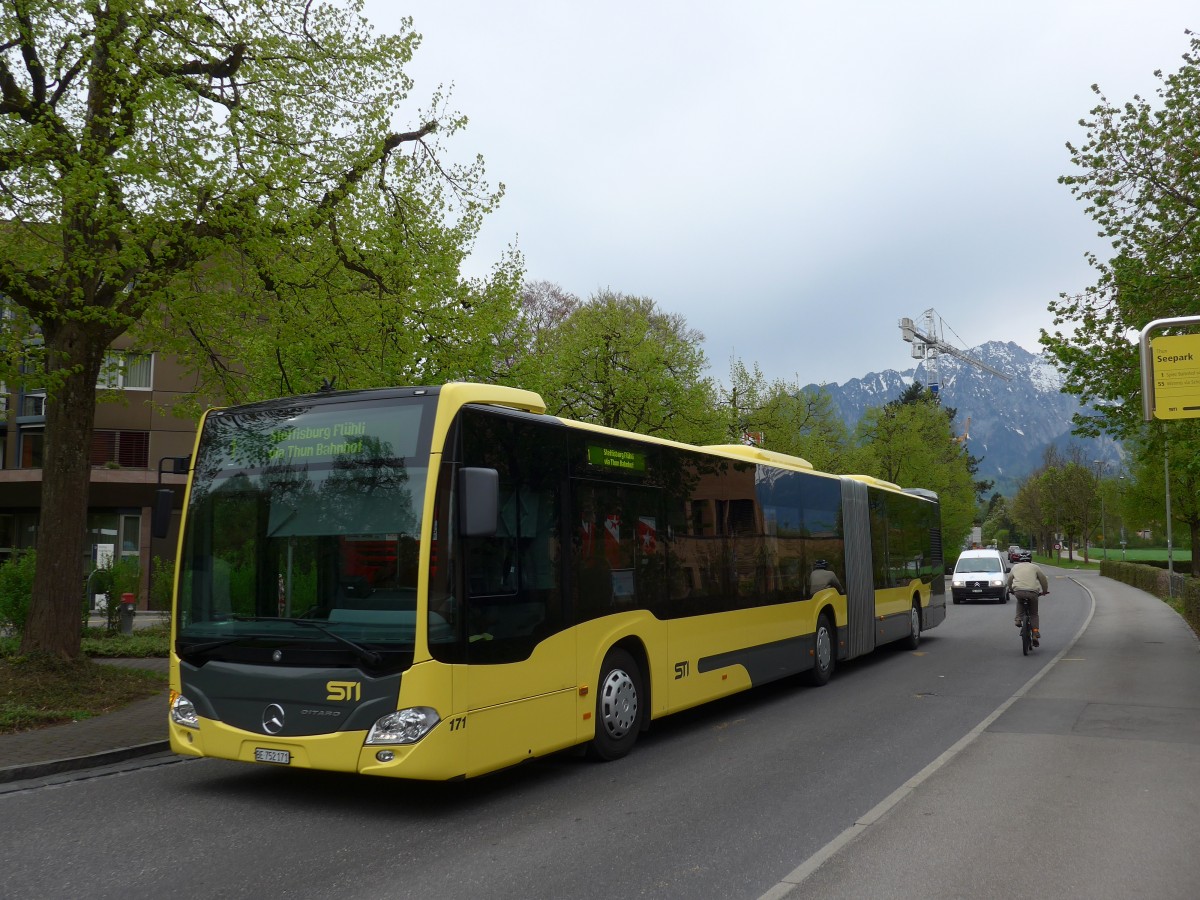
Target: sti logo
column 343, row 690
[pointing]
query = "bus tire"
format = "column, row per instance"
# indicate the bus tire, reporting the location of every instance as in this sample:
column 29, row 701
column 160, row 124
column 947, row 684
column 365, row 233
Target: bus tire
column 619, row 706
column 823, row 651
column 913, row 641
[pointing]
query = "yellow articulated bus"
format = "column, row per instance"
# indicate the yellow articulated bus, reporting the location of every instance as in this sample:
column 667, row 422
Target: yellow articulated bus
column 439, row 582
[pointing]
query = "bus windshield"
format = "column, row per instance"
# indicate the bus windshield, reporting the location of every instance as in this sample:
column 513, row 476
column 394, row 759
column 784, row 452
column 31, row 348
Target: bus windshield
column 303, row 531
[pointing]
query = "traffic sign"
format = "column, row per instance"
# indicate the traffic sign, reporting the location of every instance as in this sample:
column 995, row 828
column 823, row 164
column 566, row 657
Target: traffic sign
column 1176, row 367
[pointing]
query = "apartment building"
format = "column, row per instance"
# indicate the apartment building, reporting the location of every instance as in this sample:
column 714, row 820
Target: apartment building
column 135, row 430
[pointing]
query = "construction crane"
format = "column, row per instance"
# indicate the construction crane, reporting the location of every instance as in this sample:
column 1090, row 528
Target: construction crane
column 928, row 344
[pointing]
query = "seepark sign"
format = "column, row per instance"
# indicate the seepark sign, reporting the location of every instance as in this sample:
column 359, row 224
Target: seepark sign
column 1170, row 371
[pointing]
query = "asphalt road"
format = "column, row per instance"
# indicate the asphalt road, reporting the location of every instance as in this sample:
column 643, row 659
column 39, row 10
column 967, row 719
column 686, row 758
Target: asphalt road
column 724, row 801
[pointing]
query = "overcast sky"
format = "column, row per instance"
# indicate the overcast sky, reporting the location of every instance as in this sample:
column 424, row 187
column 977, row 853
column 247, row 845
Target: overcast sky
column 793, row 177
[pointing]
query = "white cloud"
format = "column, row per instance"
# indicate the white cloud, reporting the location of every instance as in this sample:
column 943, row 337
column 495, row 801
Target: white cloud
column 794, row 177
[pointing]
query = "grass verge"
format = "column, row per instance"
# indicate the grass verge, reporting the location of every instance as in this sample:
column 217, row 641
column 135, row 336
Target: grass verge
column 36, row 692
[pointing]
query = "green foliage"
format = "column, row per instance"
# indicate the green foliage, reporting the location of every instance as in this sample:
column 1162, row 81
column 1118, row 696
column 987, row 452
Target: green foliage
column 1062, row 498
column 998, row 525
column 785, row 417
column 619, row 361
column 1136, row 174
column 16, row 589
column 226, row 182
column 912, row 444
column 121, row 577
column 1144, row 499
column 162, row 583
column 143, row 643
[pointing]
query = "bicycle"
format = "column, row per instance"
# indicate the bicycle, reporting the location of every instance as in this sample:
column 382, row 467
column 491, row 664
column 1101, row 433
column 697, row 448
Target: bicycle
column 1028, row 641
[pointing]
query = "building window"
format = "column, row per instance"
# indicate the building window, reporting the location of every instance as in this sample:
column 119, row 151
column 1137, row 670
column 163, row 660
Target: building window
column 126, row 449
column 8, row 535
column 126, row 371
column 18, row 531
column 33, row 405
column 32, row 443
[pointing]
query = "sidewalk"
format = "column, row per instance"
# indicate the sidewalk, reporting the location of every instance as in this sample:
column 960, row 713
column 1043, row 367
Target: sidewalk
column 1089, row 776
column 135, row 730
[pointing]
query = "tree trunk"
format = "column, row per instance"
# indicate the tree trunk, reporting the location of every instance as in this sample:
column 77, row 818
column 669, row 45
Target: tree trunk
column 54, row 626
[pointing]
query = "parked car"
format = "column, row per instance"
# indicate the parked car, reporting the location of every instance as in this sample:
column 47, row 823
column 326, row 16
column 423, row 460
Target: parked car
column 980, row 575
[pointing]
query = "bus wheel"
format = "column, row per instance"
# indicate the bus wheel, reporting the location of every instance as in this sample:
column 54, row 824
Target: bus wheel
column 823, row 653
column 913, row 641
column 618, row 706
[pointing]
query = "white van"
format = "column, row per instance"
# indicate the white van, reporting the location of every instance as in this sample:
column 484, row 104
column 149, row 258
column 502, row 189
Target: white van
column 980, row 574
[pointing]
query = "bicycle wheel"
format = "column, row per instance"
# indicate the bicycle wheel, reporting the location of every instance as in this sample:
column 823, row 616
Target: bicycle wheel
column 1026, row 637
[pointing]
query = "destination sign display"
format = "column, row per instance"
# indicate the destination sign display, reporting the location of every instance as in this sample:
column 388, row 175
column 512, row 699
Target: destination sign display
column 616, row 458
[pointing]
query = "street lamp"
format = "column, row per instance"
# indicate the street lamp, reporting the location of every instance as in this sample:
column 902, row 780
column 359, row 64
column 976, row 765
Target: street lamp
column 1100, row 465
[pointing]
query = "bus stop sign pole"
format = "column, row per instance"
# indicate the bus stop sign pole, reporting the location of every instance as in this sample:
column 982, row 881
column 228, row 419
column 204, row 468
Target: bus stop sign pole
column 1170, row 390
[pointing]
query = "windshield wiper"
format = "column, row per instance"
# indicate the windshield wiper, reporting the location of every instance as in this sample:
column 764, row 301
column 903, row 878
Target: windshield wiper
column 366, row 654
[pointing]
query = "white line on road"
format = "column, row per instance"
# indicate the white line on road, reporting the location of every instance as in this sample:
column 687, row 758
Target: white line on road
column 797, row 876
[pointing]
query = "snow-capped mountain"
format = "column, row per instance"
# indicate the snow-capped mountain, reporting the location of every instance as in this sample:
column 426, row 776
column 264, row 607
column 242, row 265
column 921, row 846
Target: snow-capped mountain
column 1011, row 422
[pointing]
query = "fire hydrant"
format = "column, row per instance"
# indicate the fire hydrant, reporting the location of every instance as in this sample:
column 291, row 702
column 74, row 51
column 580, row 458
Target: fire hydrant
column 126, row 613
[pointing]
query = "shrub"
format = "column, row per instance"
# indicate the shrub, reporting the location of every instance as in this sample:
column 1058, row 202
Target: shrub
column 16, row 590
column 162, row 583
column 122, row 576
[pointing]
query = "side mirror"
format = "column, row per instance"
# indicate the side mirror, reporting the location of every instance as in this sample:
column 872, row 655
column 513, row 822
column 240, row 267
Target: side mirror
column 478, row 501
column 160, row 516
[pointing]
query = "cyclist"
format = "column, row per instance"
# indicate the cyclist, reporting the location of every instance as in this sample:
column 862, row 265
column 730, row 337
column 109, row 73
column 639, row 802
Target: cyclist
column 823, row 577
column 1028, row 582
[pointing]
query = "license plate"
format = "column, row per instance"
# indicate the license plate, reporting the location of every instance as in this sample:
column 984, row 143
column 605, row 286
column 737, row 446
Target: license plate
column 282, row 757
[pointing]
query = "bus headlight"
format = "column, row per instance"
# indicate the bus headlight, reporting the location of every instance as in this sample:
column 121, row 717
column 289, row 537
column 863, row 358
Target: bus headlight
column 183, row 712
column 405, row 726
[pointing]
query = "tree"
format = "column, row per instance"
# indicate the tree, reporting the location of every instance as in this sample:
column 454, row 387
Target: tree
column 1146, row 496
column 919, row 393
column 530, row 336
column 226, row 173
column 786, row 417
column 1071, row 488
column 620, row 361
column 998, row 523
column 912, row 444
column 1060, row 498
column 1032, row 512
column 1136, row 172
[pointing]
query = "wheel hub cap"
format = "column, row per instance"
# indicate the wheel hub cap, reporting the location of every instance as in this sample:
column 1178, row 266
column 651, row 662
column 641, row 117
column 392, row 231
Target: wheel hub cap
column 618, row 704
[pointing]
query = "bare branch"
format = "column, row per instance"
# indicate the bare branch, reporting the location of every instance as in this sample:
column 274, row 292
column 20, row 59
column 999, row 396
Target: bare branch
column 352, row 175
column 212, row 68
